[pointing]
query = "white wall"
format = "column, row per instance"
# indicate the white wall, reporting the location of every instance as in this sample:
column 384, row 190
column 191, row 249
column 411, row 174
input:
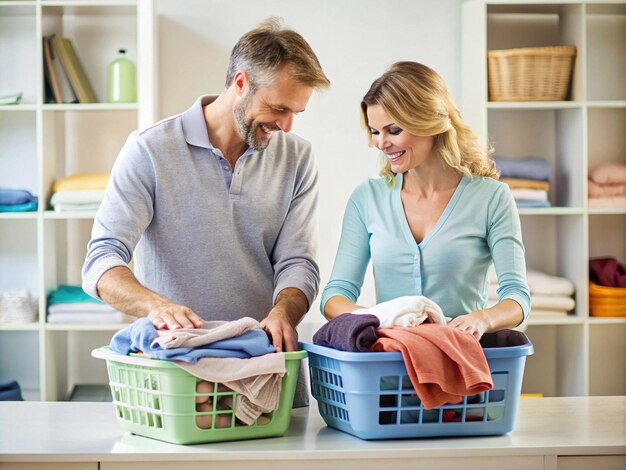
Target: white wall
column 355, row 40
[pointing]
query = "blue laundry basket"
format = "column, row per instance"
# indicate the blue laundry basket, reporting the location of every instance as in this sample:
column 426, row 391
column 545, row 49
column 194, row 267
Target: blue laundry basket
column 370, row 395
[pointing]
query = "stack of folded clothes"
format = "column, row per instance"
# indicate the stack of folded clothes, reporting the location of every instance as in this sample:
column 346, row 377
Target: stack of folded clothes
column 529, row 180
column 70, row 304
column 17, row 200
column 549, row 295
column 17, row 306
column 607, row 287
column 79, row 192
column 607, row 186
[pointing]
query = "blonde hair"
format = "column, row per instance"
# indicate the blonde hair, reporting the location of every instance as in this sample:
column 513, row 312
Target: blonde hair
column 263, row 51
column 417, row 99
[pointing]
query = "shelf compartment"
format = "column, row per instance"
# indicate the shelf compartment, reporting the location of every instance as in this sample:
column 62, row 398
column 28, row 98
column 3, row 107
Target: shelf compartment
column 607, row 236
column 97, row 30
column 25, row 370
column 18, row 255
column 19, row 50
column 18, row 151
column 607, row 139
column 549, row 243
column 607, row 348
column 517, row 26
column 606, row 52
column 553, row 134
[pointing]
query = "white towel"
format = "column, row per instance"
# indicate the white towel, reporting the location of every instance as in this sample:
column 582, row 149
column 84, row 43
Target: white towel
column 541, row 301
column 530, row 194
column 540, row 283
column 405, row 311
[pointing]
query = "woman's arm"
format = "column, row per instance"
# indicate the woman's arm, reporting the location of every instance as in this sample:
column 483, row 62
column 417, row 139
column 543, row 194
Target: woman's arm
column 337, row 305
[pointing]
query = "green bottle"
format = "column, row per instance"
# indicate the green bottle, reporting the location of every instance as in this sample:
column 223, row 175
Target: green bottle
column 122, row 79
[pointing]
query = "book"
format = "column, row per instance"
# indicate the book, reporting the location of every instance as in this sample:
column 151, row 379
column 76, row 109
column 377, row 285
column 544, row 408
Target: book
column 74, row 69
column 67, row 94
column 50, row 73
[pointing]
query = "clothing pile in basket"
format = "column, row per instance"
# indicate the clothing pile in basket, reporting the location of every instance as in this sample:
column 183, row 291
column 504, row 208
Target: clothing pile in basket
column 233, row 356
column 444, row 364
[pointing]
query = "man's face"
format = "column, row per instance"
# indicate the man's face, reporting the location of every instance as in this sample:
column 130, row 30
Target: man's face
column 258, row 114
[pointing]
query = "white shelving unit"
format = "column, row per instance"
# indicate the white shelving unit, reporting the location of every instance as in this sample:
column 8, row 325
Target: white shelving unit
column 40, row 143
column 579, row 354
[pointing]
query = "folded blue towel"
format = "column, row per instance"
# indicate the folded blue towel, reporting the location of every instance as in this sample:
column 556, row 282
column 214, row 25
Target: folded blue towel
column 26, row 207
column 139, row 335
column 10, row 391
column 532, row 168
column 67, row 293
column 12, row 197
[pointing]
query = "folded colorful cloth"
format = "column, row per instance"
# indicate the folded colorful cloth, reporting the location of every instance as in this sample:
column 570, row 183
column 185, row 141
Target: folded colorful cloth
column 12, row 197
column 525, row 194
column 521, row 183
column 82, row 181
column 66, row 293
column 616, row 202
column 26, row 207
column 406, row 311
column 348, row 332
column 606, row 190
column 528, row 204
column 608, row 173
column 10, row 391
column 532, row 168
column 608, row 272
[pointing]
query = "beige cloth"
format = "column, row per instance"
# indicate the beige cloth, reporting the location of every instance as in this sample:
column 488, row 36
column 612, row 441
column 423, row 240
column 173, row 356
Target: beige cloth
column 211, row 332
column 606, row 190
column 258, row 380
column 407, row 311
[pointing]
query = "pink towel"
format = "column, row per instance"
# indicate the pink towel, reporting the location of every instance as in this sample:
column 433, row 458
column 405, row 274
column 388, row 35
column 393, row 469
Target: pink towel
column 606, row 190
column 608, row 173
column 444, row 364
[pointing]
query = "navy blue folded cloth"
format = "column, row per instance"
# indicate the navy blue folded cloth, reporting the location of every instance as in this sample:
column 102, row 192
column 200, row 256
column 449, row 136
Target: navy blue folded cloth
column 10, row 391
column 348, row 332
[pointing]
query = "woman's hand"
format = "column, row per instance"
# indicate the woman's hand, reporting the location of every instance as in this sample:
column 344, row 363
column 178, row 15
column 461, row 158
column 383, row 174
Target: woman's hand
column 475, row 323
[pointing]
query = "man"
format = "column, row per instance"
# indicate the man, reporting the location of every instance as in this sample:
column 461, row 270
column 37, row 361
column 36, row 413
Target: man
column 218, row 203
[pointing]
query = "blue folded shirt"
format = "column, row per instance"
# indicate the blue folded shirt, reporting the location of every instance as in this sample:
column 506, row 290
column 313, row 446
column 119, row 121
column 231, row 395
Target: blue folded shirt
column 13, row 197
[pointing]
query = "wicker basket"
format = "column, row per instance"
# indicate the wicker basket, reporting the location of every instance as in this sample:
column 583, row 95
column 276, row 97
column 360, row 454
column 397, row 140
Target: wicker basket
column 530, row 74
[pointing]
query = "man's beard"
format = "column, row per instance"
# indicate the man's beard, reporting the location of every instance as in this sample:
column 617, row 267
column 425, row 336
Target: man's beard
column 248, row 128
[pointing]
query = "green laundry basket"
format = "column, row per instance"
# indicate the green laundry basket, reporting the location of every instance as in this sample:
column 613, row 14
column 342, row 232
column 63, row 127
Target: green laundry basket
column 157, row 399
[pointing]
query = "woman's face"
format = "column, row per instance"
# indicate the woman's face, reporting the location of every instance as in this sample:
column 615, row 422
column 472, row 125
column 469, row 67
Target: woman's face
column 404, row 151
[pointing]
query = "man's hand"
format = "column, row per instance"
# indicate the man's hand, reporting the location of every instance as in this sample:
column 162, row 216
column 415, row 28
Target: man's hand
column 283, row 336
column 280, row 324
column 172, row 317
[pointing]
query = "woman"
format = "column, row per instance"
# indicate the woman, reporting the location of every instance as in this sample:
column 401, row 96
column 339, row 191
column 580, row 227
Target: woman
column 438, row 217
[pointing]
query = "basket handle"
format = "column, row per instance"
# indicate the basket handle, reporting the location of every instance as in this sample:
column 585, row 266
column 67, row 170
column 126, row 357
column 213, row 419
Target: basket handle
column 108, row 355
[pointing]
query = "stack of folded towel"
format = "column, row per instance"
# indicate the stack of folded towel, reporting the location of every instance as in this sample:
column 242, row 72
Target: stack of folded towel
column 529, row 179
column 79, row 192
column 17, row 306
column 549, row 295
column 607, row 186
column 70, row 304
column 17, row 200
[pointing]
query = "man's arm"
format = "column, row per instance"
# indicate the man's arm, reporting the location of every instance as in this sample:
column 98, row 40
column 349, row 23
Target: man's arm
column 280, row 324
column 119, row 288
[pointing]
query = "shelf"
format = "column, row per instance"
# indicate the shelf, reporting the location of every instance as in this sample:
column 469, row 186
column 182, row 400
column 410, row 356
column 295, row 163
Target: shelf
column 19, row 326
column 549, row 211
column 555, row 320
column 18, row 107
column 90, row 107
column 18, row 215
column 69, row 215
column 607, row 211
column 607, row 320
column 550, row 105
column 607, row 104
column 85, row 326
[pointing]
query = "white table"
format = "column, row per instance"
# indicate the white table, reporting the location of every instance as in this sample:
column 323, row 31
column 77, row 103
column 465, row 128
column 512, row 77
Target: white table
column 550, row 433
